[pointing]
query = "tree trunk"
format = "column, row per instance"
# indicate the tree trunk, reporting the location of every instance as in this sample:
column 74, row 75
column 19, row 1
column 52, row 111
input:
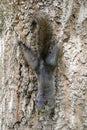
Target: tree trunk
column 19, row 83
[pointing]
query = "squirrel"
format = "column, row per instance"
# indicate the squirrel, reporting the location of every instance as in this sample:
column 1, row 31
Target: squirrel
column 44, row 64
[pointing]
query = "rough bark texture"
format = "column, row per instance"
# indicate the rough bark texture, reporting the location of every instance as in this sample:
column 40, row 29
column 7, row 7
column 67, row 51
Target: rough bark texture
column 18, row 83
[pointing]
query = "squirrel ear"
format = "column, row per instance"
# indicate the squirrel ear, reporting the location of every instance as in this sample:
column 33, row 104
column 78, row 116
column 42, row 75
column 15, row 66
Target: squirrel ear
column 33, row 24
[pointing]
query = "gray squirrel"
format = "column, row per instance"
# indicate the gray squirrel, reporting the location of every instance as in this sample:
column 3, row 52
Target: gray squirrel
column 44, row 64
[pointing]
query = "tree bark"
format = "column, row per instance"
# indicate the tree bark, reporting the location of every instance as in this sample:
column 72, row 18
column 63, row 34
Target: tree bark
column 19, row 83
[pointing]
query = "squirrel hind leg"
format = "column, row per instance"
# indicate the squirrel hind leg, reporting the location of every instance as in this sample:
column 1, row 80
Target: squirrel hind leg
column 40, row 104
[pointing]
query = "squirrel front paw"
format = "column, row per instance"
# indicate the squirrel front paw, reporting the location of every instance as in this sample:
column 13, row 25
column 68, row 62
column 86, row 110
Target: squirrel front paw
column 20, row 43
